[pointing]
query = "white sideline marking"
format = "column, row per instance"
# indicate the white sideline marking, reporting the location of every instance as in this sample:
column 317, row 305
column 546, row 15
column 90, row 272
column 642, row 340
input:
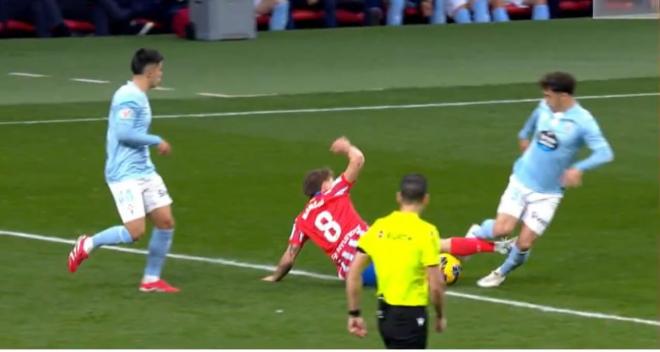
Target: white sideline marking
column 164, row 88
column 27, row 74
column 269, row 268
column 221, row 95
column 337, row 109
column 87, row 80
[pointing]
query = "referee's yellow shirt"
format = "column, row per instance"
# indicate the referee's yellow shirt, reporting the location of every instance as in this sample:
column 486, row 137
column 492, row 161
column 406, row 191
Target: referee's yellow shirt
column 401, row 246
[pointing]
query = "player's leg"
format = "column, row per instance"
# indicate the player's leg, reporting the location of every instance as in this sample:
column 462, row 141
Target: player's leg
column 537, row 217
column 480, row 10
column 511, row 207
column 499, row 11
column 458, row 11
column 128, row 199
column 278, row 10
column 158, row 206
column 279, row 17
column 519, row 252
column 465, row 246
column 434, row 10
column 540, row 10
column 395, row 11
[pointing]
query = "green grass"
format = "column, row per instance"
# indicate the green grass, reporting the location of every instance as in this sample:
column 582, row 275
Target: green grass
column 236, row 185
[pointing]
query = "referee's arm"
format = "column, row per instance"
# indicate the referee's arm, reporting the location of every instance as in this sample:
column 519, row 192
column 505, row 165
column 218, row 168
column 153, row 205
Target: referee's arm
column 436, row 293
column 356, row 324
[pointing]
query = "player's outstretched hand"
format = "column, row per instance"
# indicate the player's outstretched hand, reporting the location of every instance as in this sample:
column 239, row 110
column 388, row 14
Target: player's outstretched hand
column 572, row 178
column 357, row 326
column 440, row 324
column 341, row 145
column 164, row 148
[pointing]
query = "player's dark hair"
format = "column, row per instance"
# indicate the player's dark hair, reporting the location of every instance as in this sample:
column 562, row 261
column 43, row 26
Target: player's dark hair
column 558, row 82
column 144, row 57
column 314, row 179
column 413, row 188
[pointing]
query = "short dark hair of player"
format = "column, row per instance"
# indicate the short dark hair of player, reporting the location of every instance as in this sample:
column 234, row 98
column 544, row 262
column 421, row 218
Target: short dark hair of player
column 413, row 188
column 144, row 57
column 314, row 180
column 558, row 82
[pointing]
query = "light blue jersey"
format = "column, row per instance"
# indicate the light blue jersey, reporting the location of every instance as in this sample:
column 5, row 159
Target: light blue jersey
column 557, row 137
column 128, row 137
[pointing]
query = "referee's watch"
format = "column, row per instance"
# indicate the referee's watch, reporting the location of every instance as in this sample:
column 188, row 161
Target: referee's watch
column 354, row 313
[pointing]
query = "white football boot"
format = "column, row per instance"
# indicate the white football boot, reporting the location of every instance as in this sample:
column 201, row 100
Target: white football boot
column 493, row 279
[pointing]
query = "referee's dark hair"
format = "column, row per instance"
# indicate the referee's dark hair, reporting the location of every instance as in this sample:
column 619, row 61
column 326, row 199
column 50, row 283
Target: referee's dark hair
column 144, row 57
column 413, row 188
column 558, row 82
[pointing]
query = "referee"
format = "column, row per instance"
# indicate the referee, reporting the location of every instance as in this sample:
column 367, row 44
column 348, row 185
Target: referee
column 405, row 251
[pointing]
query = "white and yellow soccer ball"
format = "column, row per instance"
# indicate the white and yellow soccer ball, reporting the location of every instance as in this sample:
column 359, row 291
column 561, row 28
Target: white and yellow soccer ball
column 451, row 268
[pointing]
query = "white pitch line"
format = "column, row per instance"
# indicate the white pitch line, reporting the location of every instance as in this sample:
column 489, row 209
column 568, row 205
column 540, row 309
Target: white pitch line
column 269, row 268
column 26, row 74
column 222, row 95
column 164, row 88
column 87, row 80
column 337, row 109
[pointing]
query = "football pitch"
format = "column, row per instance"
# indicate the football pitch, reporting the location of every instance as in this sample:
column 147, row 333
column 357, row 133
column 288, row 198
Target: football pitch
column 246, row 121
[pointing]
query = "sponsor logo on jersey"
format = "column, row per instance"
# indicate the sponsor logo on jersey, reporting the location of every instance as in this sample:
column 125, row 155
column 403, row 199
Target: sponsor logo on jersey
column 548, row 141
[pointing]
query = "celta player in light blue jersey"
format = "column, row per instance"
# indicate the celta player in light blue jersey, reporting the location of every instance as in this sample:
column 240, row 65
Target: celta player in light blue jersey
column 131, row 176
column 558, row 127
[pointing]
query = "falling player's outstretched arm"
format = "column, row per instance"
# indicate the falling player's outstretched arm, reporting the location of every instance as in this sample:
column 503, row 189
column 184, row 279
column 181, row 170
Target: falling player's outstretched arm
column 285, row 264
column 355, row 157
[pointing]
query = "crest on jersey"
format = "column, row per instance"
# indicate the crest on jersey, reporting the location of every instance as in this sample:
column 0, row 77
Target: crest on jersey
column 567, row 126
column 126, row 114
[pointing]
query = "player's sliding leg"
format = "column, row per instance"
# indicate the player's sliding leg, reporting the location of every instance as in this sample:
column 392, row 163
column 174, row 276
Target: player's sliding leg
column 121, row 234
column 464, row 247
column 518, row 256
column 159, row 246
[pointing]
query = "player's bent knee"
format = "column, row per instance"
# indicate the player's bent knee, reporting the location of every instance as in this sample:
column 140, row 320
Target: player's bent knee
column 165, row 224
column 503, row 229
column 135, row 230
column 524, row 246
column 523, row 243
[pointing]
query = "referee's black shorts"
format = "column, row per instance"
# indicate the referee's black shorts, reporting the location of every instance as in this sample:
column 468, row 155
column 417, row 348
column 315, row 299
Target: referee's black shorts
column 402, row 327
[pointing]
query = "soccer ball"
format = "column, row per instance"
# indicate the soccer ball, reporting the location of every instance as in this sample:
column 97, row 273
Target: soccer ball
column 451, row 268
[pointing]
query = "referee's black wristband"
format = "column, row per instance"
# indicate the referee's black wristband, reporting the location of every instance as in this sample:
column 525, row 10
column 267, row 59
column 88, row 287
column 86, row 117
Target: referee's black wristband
column 354, row 313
